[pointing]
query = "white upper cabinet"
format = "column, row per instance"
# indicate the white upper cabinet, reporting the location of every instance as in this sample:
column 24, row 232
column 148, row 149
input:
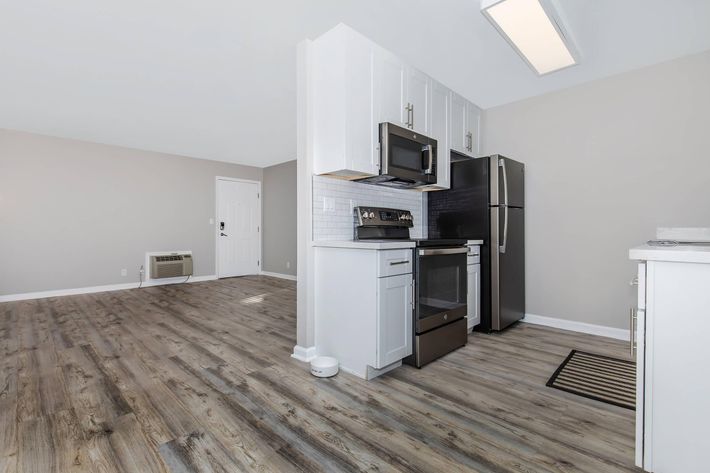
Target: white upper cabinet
column 402, row 94
column 344, row 139
column 458, row 123
column 418, row 98
column 440, row 130
column 356, row 85
column 473, row 120
column 388, row 103
column 465, row 124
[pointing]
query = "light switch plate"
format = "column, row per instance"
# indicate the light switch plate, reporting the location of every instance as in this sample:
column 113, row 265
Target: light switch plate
column 328, row 204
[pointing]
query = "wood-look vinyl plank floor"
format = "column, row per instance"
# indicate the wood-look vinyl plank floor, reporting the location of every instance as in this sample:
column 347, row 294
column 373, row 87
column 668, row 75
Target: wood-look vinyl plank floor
column 198, row 378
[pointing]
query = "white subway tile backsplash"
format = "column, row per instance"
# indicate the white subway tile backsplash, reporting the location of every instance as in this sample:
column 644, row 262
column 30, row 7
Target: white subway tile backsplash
column 337, row 222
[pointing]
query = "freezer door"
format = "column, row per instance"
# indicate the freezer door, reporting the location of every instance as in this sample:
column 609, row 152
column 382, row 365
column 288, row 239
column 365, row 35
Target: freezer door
column 509, row 183
column 511, row 268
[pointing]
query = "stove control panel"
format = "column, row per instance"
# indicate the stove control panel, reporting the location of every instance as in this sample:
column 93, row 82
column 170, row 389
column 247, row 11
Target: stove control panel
column 382, row 217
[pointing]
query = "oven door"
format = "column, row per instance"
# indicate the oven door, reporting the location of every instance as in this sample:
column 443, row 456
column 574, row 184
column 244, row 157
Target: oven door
column 406, row 155
column 441, row 287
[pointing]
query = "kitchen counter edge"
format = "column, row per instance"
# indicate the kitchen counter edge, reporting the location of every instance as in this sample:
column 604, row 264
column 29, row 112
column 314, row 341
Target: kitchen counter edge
column 676, row 254
column 364, row 245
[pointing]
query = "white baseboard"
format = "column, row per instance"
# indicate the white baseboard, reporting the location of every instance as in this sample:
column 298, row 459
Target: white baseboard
column 278, row 275
column 106, row 288
column 601, row 330
column 305, row 354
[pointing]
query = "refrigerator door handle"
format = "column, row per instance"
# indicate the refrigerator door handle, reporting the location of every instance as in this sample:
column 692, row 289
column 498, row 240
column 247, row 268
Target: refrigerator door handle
column 501, row 163
column 505, row 230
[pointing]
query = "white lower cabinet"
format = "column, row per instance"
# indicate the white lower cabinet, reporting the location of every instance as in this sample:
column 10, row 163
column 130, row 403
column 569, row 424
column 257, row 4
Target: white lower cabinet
column 363, row 307
column 394, row 316
column 672, row 354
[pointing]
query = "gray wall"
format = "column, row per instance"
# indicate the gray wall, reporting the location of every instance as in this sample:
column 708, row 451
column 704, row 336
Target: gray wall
column 280, row 218
column 73, row 214
column 606, row 164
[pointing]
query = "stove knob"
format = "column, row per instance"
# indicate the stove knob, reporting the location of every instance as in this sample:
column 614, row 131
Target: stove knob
column 364, row 215
column 372, row 214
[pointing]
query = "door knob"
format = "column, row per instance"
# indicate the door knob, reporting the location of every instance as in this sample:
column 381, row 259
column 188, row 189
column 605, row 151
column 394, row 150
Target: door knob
column 222, row 234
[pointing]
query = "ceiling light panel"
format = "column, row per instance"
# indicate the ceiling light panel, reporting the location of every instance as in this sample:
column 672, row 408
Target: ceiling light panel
column 533, row 30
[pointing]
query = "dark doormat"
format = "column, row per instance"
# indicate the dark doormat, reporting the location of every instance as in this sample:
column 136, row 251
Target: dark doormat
column 606, row 379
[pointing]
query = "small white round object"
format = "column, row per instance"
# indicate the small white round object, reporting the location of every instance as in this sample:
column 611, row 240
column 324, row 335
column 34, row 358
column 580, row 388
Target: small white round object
column 324, row 366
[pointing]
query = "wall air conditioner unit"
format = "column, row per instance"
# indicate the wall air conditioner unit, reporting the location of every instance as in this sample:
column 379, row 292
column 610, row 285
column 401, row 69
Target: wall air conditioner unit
column 170, row 266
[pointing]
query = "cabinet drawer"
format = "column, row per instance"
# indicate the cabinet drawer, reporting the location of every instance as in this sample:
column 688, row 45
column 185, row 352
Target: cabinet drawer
column 393, row 262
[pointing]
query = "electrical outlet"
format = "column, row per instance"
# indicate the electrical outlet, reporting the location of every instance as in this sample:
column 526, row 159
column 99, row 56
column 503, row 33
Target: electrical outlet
column 124, row 272
column 288, row 265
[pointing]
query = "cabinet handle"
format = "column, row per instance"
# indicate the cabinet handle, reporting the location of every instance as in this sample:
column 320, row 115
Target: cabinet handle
column 414, row 297
column 410, row 115
column 632, row 330
column 394, row 263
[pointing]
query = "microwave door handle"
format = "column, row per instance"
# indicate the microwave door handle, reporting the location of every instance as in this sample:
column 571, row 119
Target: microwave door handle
column 430, row 154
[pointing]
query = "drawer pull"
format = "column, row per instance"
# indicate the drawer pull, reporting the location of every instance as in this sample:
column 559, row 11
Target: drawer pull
column 394, row 263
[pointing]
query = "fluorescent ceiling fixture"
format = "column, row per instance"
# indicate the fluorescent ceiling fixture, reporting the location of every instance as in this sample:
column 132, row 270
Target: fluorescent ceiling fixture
column 532, row 29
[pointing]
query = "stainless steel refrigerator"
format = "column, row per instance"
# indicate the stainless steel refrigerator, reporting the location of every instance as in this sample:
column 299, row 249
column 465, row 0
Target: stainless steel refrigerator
column 486, row 201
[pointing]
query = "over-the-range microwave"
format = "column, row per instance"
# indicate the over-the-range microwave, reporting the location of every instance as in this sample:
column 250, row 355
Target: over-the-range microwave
column 407, row 158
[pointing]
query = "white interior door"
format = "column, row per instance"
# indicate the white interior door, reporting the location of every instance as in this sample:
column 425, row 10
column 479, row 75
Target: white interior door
column 238, row 228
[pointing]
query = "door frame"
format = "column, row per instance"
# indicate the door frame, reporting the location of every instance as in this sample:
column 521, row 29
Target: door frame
column 216, row 220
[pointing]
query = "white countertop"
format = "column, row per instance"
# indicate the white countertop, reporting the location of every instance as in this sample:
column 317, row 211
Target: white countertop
column 679, row 254
column 365, row 245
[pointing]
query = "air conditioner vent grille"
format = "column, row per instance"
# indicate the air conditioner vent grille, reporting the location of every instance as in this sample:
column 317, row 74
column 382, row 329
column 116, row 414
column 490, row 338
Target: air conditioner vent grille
column 162, row 259
column 170, row 266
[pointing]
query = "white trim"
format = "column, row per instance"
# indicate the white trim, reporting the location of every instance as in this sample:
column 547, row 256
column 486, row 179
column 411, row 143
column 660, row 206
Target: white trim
column 305, row 90
column 290, row 277
column 582, row 327
column 106, row 288
column 305, row 354
column 216, row 212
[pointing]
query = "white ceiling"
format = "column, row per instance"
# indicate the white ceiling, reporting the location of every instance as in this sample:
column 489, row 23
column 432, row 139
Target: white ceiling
column 215, row 79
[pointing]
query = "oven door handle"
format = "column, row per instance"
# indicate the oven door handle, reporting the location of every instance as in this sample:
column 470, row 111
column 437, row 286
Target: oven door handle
column 443, row 251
